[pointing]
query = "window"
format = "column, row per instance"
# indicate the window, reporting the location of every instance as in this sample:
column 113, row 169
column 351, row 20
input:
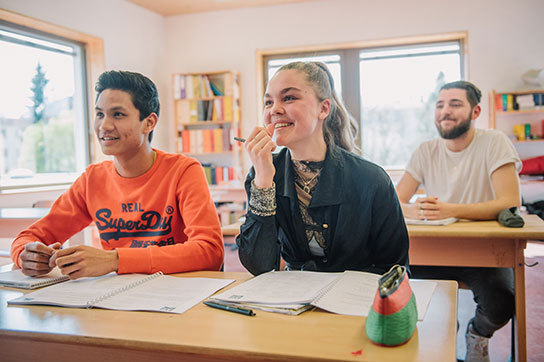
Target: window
column 332, row 62
column 47, row 74
column 43, row 118
column 399, row 89
column 391, row 89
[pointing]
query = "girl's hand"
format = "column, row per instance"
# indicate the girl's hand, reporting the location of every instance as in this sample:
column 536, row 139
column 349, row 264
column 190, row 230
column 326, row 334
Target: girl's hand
column 259, row 146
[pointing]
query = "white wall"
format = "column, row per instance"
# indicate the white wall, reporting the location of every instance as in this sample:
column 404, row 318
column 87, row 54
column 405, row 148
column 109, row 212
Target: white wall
column 504, row 37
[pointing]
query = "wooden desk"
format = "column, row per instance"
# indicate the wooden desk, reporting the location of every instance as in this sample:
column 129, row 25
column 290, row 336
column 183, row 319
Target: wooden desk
column 40, row 333
column 477, row 244
column 481, row 244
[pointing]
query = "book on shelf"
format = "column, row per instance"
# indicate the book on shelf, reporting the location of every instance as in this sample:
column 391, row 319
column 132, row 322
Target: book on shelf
column 522, row 101
column 446, row 221
column 498, row 102
column 227, row 109
column 217, row 175
column 128, row 292
column 213, row 140
column 293, row 292
column 16, row 279
column 525, row 102
column 509, row 102
column 193, row 86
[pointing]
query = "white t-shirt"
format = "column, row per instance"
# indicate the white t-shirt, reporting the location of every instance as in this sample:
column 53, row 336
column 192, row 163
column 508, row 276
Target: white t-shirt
column 462, row 177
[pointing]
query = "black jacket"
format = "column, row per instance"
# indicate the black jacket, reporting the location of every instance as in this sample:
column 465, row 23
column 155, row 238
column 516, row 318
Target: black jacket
column 354, row 201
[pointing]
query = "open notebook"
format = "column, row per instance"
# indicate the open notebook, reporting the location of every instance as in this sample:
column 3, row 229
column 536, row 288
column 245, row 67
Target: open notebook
column 16, row 279
column 155, row 293
column 293, row 292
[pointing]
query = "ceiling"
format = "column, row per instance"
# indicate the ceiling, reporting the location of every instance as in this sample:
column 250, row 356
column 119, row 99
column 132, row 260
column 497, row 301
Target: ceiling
column 179, row 7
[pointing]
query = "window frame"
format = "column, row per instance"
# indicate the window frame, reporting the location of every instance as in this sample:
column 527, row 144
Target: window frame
column 94, row 66
column 349, row 53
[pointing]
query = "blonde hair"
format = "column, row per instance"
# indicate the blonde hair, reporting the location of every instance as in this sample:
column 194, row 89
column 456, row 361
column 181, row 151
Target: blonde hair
column 339, row 128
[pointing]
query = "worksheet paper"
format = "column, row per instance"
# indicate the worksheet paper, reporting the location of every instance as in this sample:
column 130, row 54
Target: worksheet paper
column 157, row 293
column 348, row 293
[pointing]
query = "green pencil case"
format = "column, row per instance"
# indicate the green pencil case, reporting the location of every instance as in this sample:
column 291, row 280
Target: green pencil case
column 393, row 316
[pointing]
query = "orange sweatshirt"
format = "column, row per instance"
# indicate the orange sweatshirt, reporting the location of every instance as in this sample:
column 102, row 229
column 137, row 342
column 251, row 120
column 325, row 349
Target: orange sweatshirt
column 163, row 220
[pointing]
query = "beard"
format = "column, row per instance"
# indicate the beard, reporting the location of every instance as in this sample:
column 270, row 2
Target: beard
column 456, row 131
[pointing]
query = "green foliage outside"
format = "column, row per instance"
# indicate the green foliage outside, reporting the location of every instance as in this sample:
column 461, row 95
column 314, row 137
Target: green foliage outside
column 38, row 94
column 49, row 147
column 48, row 144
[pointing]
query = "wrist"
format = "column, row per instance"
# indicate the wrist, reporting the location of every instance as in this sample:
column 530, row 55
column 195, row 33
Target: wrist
column 263, row 183
column 114, row 260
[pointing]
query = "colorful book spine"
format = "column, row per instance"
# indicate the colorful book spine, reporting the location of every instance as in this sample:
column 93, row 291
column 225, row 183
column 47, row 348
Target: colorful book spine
column 509, row 102
column 498, row 102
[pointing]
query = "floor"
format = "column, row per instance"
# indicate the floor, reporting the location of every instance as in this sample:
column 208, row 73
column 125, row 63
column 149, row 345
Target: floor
column 501, row 341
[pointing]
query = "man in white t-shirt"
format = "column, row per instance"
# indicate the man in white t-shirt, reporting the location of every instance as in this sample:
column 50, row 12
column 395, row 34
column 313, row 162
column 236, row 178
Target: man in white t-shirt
column 467, row 173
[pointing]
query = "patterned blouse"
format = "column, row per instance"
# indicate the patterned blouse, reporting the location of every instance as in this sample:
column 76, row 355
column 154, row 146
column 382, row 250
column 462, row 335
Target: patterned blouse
column 263, row 201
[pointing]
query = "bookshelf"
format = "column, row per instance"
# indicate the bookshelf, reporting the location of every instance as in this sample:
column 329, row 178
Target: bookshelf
column 207, row 116
column 510, row 112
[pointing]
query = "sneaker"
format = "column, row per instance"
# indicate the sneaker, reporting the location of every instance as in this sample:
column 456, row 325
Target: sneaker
column 477, row 346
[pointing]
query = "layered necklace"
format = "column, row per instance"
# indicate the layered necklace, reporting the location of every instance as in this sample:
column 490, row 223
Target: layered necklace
column 307, row 173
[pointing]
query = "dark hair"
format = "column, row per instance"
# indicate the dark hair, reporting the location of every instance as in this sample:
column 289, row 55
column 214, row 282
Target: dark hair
column 474, row 95
column 339, row 128
column 141, row 89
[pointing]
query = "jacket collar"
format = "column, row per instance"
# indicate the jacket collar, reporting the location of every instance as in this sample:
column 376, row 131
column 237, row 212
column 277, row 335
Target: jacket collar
column 330, row 187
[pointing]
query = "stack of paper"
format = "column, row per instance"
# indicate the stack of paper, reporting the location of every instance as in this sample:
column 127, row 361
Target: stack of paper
column 293, row 292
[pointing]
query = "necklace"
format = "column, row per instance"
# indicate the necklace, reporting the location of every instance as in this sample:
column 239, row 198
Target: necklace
column 306, row 183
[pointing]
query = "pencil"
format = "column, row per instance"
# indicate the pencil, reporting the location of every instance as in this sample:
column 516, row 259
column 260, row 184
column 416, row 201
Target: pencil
column 239, row 139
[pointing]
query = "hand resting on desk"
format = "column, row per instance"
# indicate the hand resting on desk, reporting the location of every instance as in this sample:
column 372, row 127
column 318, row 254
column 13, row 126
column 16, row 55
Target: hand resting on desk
column 429, row 208
column 36, row 256
column 85, row 261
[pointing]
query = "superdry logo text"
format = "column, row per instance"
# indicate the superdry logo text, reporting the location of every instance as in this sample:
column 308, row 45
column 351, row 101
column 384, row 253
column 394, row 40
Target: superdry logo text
column 151, row 223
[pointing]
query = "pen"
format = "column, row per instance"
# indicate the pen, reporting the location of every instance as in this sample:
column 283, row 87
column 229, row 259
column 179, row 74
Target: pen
column 229, row 308
column 239, row 139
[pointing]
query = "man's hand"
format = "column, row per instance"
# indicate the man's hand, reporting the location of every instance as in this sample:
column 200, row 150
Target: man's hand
column 85, row 261
column 430, row 208
column 35, row 258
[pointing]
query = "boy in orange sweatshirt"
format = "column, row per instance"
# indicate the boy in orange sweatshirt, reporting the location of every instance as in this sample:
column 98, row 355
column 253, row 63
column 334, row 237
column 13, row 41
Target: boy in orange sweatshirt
column 153, row 209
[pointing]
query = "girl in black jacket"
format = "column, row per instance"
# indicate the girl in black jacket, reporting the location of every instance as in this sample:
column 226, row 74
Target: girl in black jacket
column 315, row 204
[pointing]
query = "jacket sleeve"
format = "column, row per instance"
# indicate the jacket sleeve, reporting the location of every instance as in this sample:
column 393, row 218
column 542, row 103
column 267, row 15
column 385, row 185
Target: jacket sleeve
column 68, row 216
column 258, row 244
column 203, row 249
column 389, row 231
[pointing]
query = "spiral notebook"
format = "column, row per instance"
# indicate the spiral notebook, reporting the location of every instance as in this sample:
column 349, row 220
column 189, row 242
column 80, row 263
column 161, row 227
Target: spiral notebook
column 16, row 279
column 130, row 292
column 293, row 292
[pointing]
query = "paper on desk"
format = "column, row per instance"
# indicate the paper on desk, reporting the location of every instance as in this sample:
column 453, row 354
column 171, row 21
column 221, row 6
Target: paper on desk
column 348, row 293
column 446, row 221
column 354, row 293
column 279, row 287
